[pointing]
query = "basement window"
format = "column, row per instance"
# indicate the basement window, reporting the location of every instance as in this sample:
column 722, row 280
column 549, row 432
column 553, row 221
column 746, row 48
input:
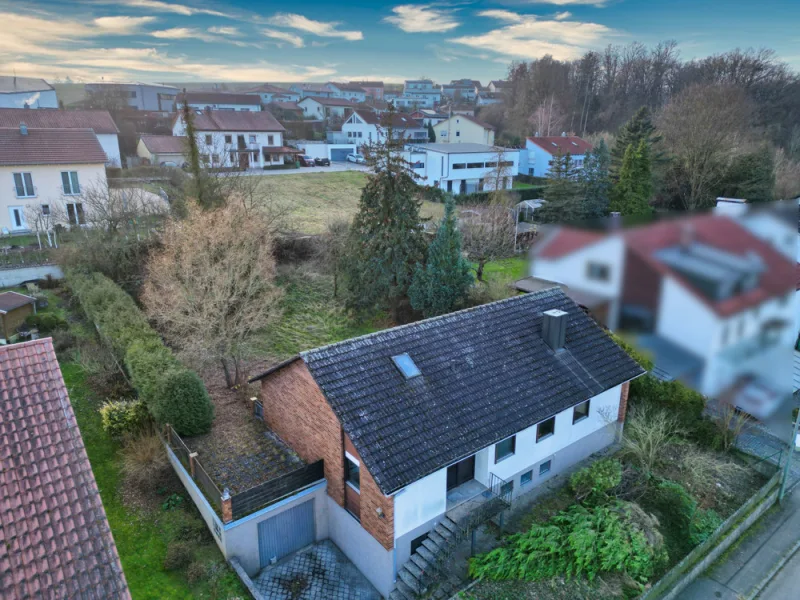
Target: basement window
column 406, row 365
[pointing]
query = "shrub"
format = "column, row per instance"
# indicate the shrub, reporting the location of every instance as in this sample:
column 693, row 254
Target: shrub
column 182, row 401
column 62, row 340
column 704, row 523
column 593, row 483
column 647, row 434
column 675, row 504
column 144, row 459
column 122, row 417
column 147, row 360
column 46, row 322
column 197, row 570
column 179, row 555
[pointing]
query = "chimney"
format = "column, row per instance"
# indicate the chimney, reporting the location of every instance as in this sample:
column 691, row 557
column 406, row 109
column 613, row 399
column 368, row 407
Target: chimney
column 23, row 129
column 554, row 328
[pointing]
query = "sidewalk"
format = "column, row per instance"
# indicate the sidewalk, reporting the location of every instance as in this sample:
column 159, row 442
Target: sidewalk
column 767, row 541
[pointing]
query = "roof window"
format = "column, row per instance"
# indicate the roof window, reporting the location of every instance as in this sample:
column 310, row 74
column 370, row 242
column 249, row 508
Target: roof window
column 406, row 365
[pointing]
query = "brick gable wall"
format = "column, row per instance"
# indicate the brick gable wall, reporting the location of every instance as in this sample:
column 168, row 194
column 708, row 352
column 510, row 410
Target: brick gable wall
column 623, row 401
column 296, row 409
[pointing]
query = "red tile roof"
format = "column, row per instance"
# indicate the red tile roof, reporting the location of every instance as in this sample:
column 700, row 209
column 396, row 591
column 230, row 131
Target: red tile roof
column 50, row 147
column 55, row 541
column 52, row 118
column 11, row 300
column 235, row 120
column 165, row 144
column 268, row 88
column 564, row 240
column 568, row 143
column 286, row 106
column 218, row 98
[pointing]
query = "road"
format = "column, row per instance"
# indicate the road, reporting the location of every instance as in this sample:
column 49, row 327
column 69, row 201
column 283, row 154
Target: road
column 786, row 583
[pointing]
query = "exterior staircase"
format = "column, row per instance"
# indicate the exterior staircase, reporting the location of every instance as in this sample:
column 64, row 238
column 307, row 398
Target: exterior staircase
column 424, row 575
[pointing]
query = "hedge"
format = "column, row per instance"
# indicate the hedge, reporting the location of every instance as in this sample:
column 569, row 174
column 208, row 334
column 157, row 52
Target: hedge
column 434, row 194
column 154, row 370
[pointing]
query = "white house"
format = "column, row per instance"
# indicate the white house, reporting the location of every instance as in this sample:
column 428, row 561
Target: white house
column 419, row 93
column 459, row 129
column 348, row 91
column 99, row 121
column 366, row 127
column 164, row 150
column 272, row 93
column 464, row 168
column 319, row 108
column 220, row 101
column 141, row 96
column 539, row 151
column 485, row 98
column 498, row 85
column 461, row 89
column 42, row 169
column 463, row 423
column 373, row 88
column 428, row 116
column 247, row 140
column 316, row 90
column 26, row 92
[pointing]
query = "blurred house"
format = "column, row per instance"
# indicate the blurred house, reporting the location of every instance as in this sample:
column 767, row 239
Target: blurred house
column 535, row 157
column 26, row 92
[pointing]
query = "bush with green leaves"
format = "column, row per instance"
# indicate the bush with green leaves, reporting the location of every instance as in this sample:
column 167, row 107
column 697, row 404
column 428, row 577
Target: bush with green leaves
column 182, row 401
column 121, row 417
column 704, row 523
column 617, row 537
column 592, row 484
column 46, row 322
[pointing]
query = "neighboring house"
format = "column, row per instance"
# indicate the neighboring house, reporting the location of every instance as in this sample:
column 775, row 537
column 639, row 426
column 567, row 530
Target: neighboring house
column 26, row 92
column 366, row 127
column 485, row 98
column 470, row 410
column 428, row 116
column 272, row 93
column 99, row 121
column 315, row 90
column 464, row 168
column 461, row 89
column 56, row 539
column 137, row 95
column 464, row 128
column 539, row 151
column 420, row 93
column 243, row 139
column 373, row 88
column 14, row 309
column 220, row 101
column 348, row 91
column 709, row 300
column 325, row 108
column 164, row 150
column 286, row 111
column 44, row 168
column 498, row 85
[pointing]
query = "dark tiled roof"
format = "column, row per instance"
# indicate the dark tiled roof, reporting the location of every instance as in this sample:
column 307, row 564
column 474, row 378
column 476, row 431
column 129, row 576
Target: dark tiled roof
column 11, row 300
column 50, row 147
column 52, row 118
column 486, row 374
column 330, row 101
column 218, row 98
column 54, row 537
column 566, row 143
column 368, row 84
column 268, row 88
column 235, row 120
column 165, row 144
column 398, row 121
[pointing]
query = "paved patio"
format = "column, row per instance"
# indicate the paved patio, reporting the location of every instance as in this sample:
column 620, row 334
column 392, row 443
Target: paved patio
column 318, row 572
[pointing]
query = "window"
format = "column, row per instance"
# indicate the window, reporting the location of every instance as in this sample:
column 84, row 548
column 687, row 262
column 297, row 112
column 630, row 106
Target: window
column 459, row 166
column 544, row 468
column 598, row 271
column 23, row 182
column 349, row 134
column 271, row 140
column 580, row 412
column 132, row 94
column 506, row 163
column 526, row 477
column 458, row 134
column 545, row 429
column 505, row 448
column 75, row 214
column 361, row 134
column 217, row 530
column 69, row 183
column 443, row 133
column 45, row 209
column 208, row 140
column 228, row 139
column 351, row 473
column 474, row 165
column 491, row 164
column 406, row 365
column 251, row 139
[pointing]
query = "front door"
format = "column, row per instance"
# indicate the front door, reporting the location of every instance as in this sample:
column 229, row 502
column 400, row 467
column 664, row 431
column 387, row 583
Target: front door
column 460, row 472
column 17, row 214
column 244, row 160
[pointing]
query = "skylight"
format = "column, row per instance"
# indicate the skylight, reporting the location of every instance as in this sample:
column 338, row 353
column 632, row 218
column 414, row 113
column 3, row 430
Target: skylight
column 406, row 365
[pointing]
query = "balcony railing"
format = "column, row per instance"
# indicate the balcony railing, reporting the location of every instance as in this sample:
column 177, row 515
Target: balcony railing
column 483, row 505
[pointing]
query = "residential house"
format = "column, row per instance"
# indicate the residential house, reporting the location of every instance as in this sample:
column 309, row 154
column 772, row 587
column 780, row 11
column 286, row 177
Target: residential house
column 56, row 539
column 26, row 92
column 164, row 150
column 485, row 98
column 428, row 116
column 285, row 111
column 497, row 86
column 325, row 108
column 464, row 129
column 422, row 425
column 272, row 93
column 539, row 151
column 41, row 169
column 420, row 93
column 377, row 106
column 315, row 90
column 374, row 89
column 348, row 91
column 464, row 168
column 364, row 127
column 14, row 309
column 239, row 139
column 99, row 121
column 709, row 300
column 463, row 90
column 220, row 101
column 137, row 95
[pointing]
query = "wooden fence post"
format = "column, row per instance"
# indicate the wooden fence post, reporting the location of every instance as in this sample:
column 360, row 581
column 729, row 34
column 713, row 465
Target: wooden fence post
column 225, row 502
column 192, row 458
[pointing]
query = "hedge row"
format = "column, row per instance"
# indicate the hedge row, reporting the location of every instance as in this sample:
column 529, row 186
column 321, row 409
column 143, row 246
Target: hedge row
column 433, row 194
column 172, row 393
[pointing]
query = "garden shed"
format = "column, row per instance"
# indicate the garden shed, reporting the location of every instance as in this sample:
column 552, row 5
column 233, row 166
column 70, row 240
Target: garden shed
column 14, row 309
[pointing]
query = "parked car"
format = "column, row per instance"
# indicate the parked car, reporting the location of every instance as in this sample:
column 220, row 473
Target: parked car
column 305, row 161
column 322, row 162
column 356, row 158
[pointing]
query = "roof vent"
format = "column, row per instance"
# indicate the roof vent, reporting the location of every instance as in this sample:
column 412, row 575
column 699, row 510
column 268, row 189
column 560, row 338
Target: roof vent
column 23, row 129
column 406, row 365
column 554, row 328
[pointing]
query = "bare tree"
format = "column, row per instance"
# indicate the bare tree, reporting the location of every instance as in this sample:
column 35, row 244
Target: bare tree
column 487, row 233
column 40, row 219
column 212, row 286
column 729, row 421
column 547, row 119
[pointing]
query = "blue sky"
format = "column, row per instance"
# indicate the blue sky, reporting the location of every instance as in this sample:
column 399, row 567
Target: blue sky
column 233, row 40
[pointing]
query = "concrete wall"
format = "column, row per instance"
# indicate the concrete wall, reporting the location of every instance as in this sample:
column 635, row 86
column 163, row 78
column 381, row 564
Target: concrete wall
column 110, row 145
column 420, row 502
column 14, row 277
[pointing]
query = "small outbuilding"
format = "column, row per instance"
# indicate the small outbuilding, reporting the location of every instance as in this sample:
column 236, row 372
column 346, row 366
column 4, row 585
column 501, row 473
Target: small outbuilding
column 165, row 150
column 14, row 309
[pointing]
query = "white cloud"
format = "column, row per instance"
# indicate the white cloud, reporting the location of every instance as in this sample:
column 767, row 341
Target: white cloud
column 122, row 25
column 422, row 18
column 502, row 15
column 183, row 33
column 224, row 30
column 320, row 28
column 561, row 16
column 284, row 36
column 179, row 9
column 529, row 36
column 597, row 3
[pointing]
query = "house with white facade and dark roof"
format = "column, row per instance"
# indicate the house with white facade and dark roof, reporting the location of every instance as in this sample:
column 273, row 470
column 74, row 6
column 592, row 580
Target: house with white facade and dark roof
column 364, row 127
column 424, row 427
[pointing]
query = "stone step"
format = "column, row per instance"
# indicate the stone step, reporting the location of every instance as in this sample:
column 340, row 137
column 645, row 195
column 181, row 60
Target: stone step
column 449, row 524
column 438, row 539
column 398, row 595
column 408, row 578
column 427, row 554
column 415, row 570
column 420, row 562
column 432, row 546
column 404, row 592
column 444, row 532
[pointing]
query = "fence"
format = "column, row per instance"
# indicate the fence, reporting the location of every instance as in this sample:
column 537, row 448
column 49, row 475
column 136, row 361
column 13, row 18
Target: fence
column 259, row 496
column 192, row 465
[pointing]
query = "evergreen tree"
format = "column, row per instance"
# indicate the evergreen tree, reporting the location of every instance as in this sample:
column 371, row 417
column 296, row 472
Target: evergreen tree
column 596, row 182
column 751, row 177
column 631, row 195
column 639, row 127
column 562, row 192
column 431, row 133
column 442, row 285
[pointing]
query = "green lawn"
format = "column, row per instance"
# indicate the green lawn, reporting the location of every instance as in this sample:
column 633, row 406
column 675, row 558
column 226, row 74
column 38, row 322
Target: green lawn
column 519, row 185
column 507, row 269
